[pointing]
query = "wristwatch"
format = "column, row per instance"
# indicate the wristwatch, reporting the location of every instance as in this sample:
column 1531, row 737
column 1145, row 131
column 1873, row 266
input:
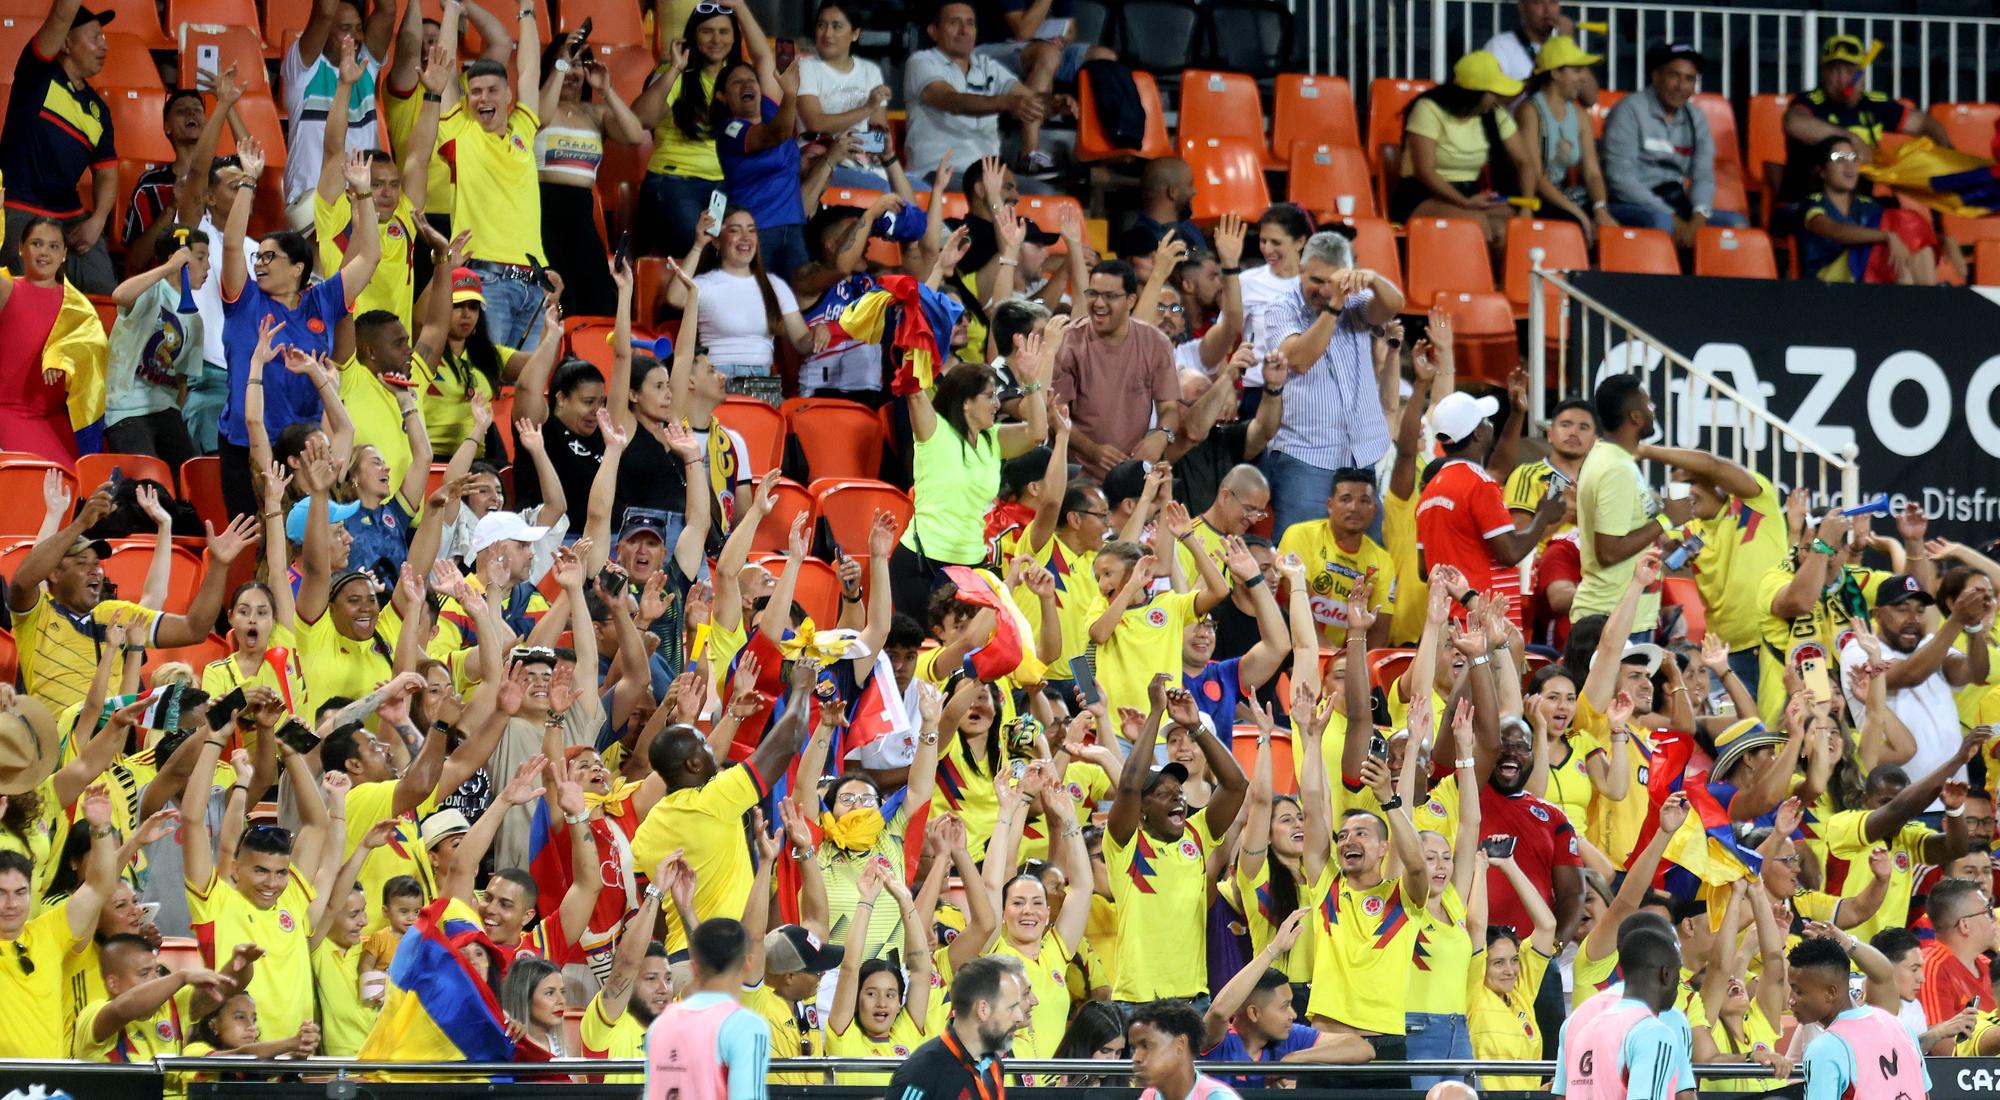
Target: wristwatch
column 562, row 64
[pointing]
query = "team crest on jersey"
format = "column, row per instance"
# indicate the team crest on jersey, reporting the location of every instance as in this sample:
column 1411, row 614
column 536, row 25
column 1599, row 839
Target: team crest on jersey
column 395, row 231
column 1435, row 807
column 1902, row 861
column 1540, row 814
column 812, row 1016
column 1156, row 617
column 1076, row 792
column 285, row 921
column 1572, row 846
column 315, row 325
column 1372, row 906
column 165, row 1030
column 519, row 145
column 902, row 1051
column 1189, row 851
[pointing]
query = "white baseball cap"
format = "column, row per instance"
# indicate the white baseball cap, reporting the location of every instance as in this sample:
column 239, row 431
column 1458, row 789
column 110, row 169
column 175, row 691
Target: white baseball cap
column 1455, row 418
column 501, row 526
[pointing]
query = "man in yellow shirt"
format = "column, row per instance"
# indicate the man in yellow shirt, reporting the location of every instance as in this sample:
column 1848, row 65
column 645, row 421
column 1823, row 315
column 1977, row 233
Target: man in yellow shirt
column 1806, row 600
column 1367, row 932
column 1157, row 854
column 794, row 962
column 1891, row 801
column 1742, row 532
column 1614, row 508
column 31, row 977
column 1241, row 502
column 1572, row 433
column 1338, row 554
column 486, row 138
column 702, row 811
column 146, row 1014
column 639, row 987
column 60, row 630
column 396, row 193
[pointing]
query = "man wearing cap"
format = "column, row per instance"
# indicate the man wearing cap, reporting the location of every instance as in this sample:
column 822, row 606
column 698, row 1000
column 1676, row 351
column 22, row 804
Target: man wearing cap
column 1740, row 522
column 1659, row 157
column 1333, row 409
column 794, row 961
column 59, row 629
column 1117, row 377
column 1843, row 107
column 1462, row 520
column 1924, row 667
column 503, row 553
column 57, row 126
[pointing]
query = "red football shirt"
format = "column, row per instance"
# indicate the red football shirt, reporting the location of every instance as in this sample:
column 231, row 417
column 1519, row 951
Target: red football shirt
column 1560, row 560
column 1460, row 508
column 1949, row 985
column 1543, row 841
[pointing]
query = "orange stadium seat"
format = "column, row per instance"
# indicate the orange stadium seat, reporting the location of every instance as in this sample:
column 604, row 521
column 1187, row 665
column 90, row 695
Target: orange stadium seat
column 1445, row 254
column 1735, row 253
column 1721, row 127
column 10, row 658
column 1243, row 745
column 95, row 470
column 285, row 20
column 954, row 207
column 1046, row 211
column 136, row 115
column 241, row 14
column 589, row 339
column 1387, row 100
column 1564, row 248
column 1986, row 263
column 1093, row 144
column 1764, row 160
column 762, row 429
column 128, row 63
column 818, row 590
column 1637, row 252
column 1968, row 125
column 201, row 486
column 792, row 500
column 138, row 18
column 1313, row 110
column 131, row 559
column 260, row 114
column 1375, row 247
column 617, row 24
column 1483, row 342
column 629, row 65
column 841, row 439
column 240, row 46
column 1385, row 665
column 1223, row 105
column 848, row 505
column 1228, row 177
column 1601, row 110
column 21, row 478
column 1323, row 175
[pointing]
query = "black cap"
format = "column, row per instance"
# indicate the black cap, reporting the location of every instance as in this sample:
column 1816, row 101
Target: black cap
column 791, row 949
column 1124, row 482
column 85, row 15
column 1902, row 588
column 1023, row 470
column 643, row 520
column 1674, row 51
column 1169, row 770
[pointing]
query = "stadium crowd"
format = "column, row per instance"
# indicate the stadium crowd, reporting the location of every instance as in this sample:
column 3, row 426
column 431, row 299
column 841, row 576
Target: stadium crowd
column 1229, row 682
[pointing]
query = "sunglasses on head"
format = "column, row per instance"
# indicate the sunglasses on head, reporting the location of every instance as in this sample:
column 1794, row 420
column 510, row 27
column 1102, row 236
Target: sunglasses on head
column 529, row 652
column 711, row 9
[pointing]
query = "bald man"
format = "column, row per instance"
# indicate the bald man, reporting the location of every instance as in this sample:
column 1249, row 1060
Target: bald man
column 1166, row 198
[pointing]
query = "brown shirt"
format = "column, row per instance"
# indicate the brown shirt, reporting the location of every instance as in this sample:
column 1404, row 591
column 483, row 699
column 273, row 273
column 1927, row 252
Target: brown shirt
column 1112, row 389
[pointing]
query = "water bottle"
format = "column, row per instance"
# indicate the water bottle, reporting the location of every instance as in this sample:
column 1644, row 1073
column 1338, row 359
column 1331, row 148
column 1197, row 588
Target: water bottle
column 1690, row 546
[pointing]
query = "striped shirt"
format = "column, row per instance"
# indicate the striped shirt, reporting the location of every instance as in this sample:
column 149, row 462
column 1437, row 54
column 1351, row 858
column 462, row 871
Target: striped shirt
column 1333, row 412
column 309, row 88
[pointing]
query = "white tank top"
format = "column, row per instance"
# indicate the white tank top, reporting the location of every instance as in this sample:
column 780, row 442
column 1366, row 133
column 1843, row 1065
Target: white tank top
column 570, row 153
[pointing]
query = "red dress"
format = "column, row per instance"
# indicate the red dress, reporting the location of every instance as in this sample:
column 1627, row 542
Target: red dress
column 34, row 416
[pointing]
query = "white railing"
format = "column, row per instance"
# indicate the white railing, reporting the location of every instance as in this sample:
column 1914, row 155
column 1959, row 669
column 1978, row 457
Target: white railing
column 1695, row 409
column 1926, row 58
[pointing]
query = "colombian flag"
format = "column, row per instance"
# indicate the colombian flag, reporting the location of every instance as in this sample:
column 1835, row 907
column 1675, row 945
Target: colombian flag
column 1947, row 180
column 439, row 1009
column 1010, row 651
column 1704, row 853
column 922, row 318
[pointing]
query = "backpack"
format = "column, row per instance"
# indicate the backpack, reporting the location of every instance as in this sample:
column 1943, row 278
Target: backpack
column 1119, row 109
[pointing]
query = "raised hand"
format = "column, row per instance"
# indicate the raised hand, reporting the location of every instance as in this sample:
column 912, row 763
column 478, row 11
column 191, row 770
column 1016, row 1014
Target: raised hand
column 1673, row 813
column 240, row 534
column 1229, row 237
column 1288, row 933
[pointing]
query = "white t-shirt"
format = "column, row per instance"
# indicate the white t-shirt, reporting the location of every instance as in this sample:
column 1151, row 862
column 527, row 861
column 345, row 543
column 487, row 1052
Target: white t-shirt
column 838, row 91
column 1262, row 290
column 208, row 296
column 1927, row 708
column 309, row 90
column 733, row 326
column 932, row 131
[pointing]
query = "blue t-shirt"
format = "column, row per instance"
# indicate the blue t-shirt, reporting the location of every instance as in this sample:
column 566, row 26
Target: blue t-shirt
column 288, row 398
column 1817, row 254
column 1215, row 692
column 1829, row 1063
column 1231, row 1049
column 766, row 183
column 381, row 540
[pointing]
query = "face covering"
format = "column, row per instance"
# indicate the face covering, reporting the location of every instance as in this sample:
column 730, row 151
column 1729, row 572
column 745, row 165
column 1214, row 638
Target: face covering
column 856, row 830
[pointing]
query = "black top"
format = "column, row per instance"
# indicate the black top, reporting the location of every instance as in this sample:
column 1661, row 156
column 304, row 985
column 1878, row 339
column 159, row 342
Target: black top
column 55, row 130
column 936, row 1071
column 575, row 458
column 650, row 476
column 1198, row 474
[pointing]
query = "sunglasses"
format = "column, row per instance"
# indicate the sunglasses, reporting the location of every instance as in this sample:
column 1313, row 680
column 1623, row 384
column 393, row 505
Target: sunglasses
column 21, row 956
column 524, row 652
column 1839, row 155
column 710, row 9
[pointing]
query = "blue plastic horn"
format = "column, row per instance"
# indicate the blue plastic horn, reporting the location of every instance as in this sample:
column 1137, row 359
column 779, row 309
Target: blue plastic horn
column 187, row 290
column 1877, row 507
column 659, row 347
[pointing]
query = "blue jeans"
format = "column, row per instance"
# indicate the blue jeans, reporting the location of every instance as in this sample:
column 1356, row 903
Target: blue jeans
column 513, row 305
column 1745, row 664
column 671, row 205
column 1436, row 1037
column 784, row 248
column 1298, row 490
column 1659, row 217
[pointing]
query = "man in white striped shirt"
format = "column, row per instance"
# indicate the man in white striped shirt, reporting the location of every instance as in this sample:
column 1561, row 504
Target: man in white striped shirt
column 1333, row 410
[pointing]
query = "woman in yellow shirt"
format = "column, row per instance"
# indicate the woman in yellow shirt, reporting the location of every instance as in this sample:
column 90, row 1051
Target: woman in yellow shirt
column 876, row 1013
column 1027, row 930
column 1449, row 139
column 685, row 169
column 1505, row 976
column 1288, row 842
column 1571, row 764
column 1436, row 1024
column 1743, row 1011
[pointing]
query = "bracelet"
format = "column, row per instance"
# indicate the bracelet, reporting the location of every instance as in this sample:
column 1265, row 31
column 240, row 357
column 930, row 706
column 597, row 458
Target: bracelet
column 1465, row 598
column 215, row 742
column 1464, row 762
column 845, row 598
column 1030, row 387
column 1620, row 738
column 1975, row 629
column 1237, row 270
column 1482, row 659
column 99, row 832
column 577, row 819
column 1255, row 580
column 1006, row 262
column 1960, row 812
column 1274, row 391
column 653, row 892
column 234, row 787
column 1395, row 802
column 254, row 382
column 1666, row 525
column 864, row 904
column 432, row 97
column 271, row 515
column 1821, row 545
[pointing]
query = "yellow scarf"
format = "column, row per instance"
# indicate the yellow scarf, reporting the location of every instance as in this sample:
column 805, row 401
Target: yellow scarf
column 856, row 830
column 78, row 347
column 616, row 801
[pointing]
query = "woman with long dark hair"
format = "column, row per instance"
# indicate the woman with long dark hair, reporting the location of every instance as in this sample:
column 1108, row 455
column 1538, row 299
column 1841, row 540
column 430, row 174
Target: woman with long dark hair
column 1450, row 136
column 755, row 112
column 685, row 168
column 1552, row 124
column 579, row 111
column 468, row 363
column 1287, row 841
column 1096, row 1033
column 744, row 307
column 1282, row 231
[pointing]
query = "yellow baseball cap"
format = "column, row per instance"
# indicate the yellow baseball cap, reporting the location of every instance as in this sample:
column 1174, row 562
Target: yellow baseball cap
column 1480, row 71
column 1562, row 52
column 1849, row 48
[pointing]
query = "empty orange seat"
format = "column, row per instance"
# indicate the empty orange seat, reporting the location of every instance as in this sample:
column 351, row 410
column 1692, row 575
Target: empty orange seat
column 1375, row 248
column 1387, row 100
column 240, row 45
column 259, row 113
column 1446, row 254
column 629, row 65
column 1046, row 211
column 1736, row 253
column 1094, row 144
column 1386, row 665
column 1324, row 178
column 241, row 14
column 201, row 486
column 135, row 118
column 589, row 339
column 1243, row 745
column 818, row 590
column 1968, row 125
column 1228, row 177
column 1312, row 110
column 1223, row 105
column 1721, row 126
column 1564, row 250
column 21, row 477
column 1764, row 160
column 128, row 63
column 954, row 206
column 762, row 430
column 95, row 470
column 139, row 19
column 1638, row 252
column 839, row 438
column 1986, row 263
column 791, row 500
column 1601, row 110
column 131, row 559
column 849, row 507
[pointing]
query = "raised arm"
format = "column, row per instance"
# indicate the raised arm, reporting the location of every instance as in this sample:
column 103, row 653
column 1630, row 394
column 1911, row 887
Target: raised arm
column 630, row 957
column 1124, row 818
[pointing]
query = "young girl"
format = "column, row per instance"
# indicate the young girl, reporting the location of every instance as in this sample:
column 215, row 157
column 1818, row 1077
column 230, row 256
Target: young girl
column 1287, row 841
column 1745, row 1023
column 1440, row 993
column 1850, row 238
column 843, row 94
column 877, row 1012
column 232, row 1029
column 1506, row 974
column 34, row 412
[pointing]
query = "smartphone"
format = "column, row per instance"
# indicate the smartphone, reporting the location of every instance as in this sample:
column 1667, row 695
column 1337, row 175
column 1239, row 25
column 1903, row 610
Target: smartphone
column 223, row 710
column 717, row 204
column 625, row 248
column 539, row 275
column 117, row 478
column 297, row 737
column 1378, row 747
column 1018, row 769
column 149, row 911
column 873, row 141
column 207, row 62
column 1497, row 847
column 1812, row 670
column 583, row 32
column 613, row 582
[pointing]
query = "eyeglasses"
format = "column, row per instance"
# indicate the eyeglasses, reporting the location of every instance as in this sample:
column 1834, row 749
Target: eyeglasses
column 1174, row 308
column 1104, row 295
column 266, row 257
column 21, row 956
column 854, row 800
column 1791, row 861
column 1104, row 515
column 1839, row 155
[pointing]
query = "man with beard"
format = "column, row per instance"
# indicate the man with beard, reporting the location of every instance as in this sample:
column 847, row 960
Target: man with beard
column 1614, row 508
column 1117, row 377
column 1572, row 433
column 639, row 988
column 1157, row 854
column 1924, row 669
column 1545, row 843
column 989, row 1000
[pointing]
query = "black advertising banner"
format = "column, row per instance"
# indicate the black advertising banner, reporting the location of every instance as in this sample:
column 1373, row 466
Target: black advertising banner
column 1907, row 376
